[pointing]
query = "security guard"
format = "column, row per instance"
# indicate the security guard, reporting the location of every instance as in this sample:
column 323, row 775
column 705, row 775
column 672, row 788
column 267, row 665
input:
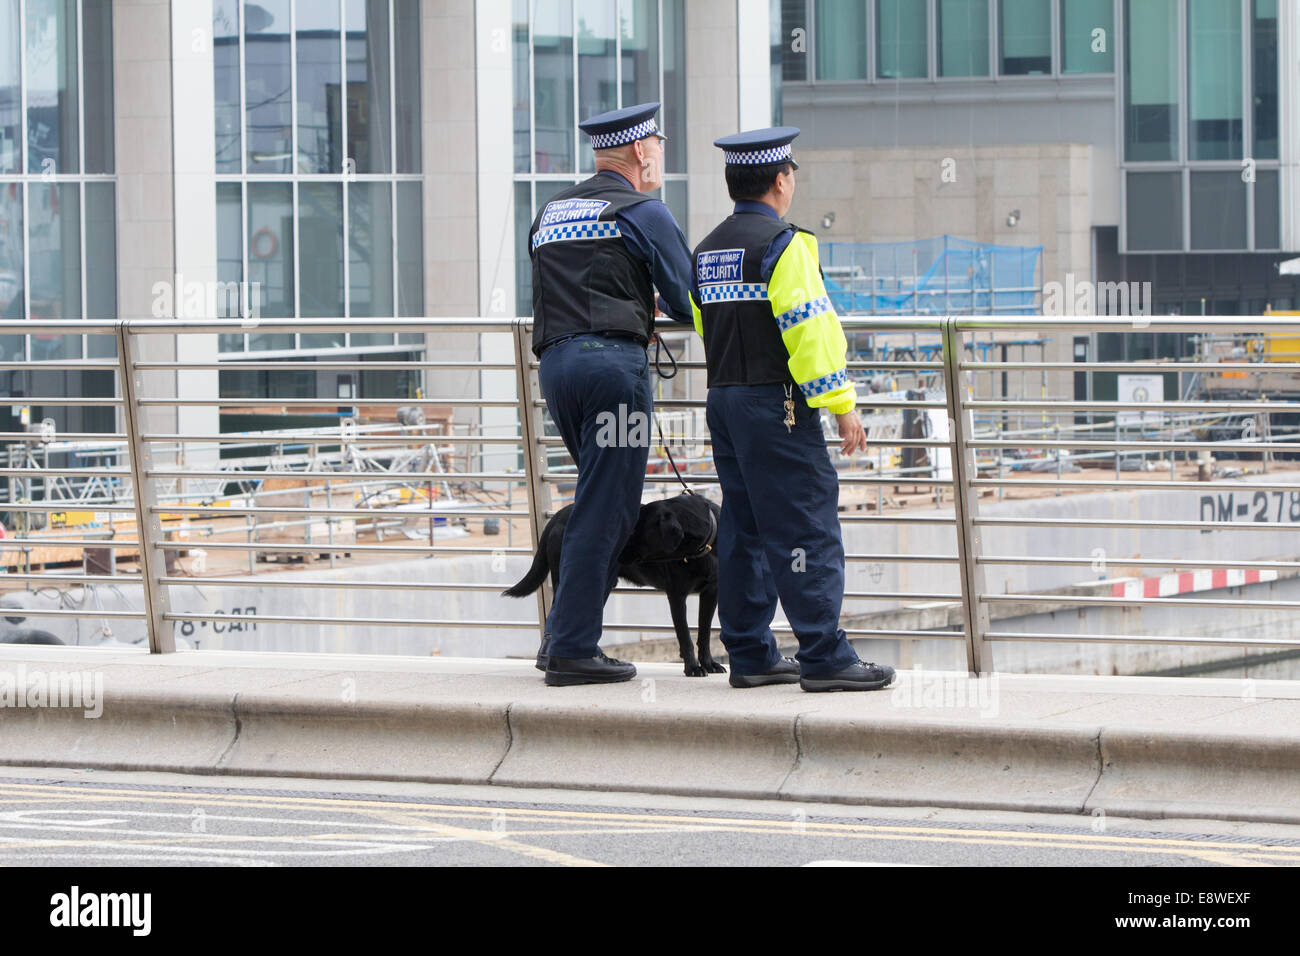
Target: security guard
column 776, row 356
column 598, row 250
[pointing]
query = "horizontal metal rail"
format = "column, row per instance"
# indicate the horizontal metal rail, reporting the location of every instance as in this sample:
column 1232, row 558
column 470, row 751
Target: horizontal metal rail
column 1139, row 639
column 50, row 400
column 60, row 612
column 385, row 511
column 1126, row 523
column 1102, row 600
column 316, row 402
column 413, row 477
column 1134, row 445
column 124, row 578
column 1208, row 564
column 253, row 441
column 1215, row 405
column 322, row 366
column 1110, row 484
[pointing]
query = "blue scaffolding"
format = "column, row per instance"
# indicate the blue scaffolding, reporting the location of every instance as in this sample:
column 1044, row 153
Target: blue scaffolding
column 940, row 276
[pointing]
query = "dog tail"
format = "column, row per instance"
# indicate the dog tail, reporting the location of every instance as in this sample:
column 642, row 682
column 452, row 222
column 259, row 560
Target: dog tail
column 534, row 578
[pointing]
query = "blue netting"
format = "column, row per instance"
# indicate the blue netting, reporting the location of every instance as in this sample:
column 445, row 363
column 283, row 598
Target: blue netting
column 941, row 276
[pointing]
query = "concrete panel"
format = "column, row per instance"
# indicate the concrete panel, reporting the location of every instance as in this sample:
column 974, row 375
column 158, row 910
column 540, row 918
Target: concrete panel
column 981, row 764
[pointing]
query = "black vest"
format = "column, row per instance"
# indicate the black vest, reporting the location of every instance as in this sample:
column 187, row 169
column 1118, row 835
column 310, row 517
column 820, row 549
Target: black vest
column 584, row 277
column 742, row 341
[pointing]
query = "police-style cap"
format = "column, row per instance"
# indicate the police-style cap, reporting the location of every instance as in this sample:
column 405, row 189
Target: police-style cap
column 620, row 127
column 759, row 147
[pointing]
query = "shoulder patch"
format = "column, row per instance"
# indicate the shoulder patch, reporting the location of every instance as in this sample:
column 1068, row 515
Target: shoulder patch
column 720, row 265
column 571, row 210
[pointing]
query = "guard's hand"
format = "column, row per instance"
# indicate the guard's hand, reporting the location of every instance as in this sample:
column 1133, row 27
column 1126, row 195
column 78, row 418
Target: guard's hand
column 853, row 435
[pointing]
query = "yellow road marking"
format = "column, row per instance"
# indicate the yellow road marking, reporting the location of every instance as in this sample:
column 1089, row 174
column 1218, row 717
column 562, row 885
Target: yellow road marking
column 602, row 821
column 492, row 838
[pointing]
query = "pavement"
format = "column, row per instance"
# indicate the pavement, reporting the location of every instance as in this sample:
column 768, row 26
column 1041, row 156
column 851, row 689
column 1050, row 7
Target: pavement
column 1140, row 747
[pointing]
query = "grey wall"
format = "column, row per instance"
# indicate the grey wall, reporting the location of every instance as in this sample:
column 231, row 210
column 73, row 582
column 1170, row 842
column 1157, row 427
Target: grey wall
column 1009, row 111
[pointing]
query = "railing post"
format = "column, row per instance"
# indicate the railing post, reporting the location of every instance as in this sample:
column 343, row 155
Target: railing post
column 979, row 655
column 162, row 639
column 531, row 428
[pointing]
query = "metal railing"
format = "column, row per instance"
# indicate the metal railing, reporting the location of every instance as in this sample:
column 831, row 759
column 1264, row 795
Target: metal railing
column 987, row 438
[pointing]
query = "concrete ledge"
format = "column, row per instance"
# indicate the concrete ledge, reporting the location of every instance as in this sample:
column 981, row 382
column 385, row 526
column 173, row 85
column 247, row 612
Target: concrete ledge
column 1234, row 776
column 697, row 752
column 452, row 743
column 929, row 763
column 1149, row 747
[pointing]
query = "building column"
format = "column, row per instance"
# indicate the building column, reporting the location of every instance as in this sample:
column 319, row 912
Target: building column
column 195, row 227
column 494, row 93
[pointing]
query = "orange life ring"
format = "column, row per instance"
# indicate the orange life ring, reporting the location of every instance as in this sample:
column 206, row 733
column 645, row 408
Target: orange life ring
column 254, row 248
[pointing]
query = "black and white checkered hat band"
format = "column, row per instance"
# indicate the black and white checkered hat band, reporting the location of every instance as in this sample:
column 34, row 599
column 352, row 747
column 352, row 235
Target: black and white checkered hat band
column 622, row 136
column 761, row 157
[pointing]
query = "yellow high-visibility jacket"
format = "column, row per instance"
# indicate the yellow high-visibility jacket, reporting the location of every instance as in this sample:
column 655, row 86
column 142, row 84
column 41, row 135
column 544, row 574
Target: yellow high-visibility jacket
column 809, row 326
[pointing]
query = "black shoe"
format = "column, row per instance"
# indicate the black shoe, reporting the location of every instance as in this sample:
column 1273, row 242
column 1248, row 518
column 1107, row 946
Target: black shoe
column 564, row 671
column 786, row 672
column 543, row 650
column 860, row 675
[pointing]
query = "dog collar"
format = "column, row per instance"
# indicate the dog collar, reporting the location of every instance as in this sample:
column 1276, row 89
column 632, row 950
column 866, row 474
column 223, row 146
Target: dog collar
column 708, row 545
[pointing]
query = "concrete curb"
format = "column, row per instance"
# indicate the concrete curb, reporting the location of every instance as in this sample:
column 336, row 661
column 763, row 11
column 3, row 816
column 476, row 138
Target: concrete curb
column 451, row 723
column 1258, row 777
column 931, row 763
column 695, row 753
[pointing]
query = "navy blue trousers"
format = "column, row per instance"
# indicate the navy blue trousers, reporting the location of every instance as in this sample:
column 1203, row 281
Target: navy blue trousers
column 594, row 387
column 779, row 535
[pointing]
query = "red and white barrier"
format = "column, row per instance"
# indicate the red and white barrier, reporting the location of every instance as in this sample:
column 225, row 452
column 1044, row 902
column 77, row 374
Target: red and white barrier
column 1185, row 582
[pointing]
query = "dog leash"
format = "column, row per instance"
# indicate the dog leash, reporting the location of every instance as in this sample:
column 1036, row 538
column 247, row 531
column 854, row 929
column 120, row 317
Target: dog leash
column 661, row 344
column 660, row 347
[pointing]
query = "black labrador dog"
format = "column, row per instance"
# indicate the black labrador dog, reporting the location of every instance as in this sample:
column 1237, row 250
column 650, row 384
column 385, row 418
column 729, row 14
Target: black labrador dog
column 671, row 550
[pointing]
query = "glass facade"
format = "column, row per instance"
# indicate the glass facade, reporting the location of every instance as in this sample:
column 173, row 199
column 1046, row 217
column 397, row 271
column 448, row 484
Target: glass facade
column 1263, row 78
column 1214, row 82
column 1087, row 42
column 58, row 247
column 963, row 30
column 900, row 39
column 1217, row 93
column 967, row 37
column 841, row 41
column 574, row 59
column 1024, row 37
column 58, row 216
column 316, row 147
column 1151, row 97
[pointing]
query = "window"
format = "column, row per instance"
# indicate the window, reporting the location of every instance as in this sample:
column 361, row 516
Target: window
column 963, row 27
column 841, row 41
column 58, row 247
column 318, row 166
column 1024, row 37
column 794, row 61
column 1086, row 36
column 1218, row 210
column 1264, row 76
column 58, row 216
column 1150, row 80
column 900, row 39
column 625, row 52
column 1214, row 123
column 1154, row 213
column 1268, row 233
